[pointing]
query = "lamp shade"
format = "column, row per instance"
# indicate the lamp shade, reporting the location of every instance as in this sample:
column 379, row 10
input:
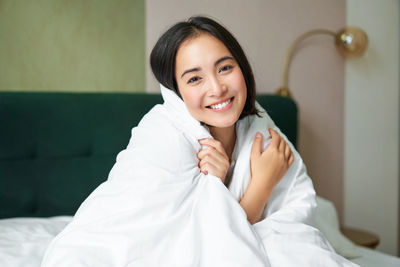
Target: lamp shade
column 351, row 42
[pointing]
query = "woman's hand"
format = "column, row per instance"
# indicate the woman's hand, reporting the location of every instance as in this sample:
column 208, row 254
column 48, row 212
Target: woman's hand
column 213, row 158
column 267, row 169
column 269, row 166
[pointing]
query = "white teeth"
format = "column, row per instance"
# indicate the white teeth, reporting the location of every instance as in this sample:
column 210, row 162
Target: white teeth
column 221, row 105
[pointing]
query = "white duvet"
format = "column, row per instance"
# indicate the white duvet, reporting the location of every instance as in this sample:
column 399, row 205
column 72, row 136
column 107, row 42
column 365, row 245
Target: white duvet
column 158, row 209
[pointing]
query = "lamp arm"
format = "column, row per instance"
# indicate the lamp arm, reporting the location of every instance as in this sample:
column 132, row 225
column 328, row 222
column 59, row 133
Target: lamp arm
column 289, row 54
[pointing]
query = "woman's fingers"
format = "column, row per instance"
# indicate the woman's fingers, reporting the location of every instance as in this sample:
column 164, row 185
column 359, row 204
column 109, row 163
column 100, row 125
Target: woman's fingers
column 256, row 149
column 282, row 146
column 275, row 139
column 291, row 159
column 212, row 157
column 213, row 143
column 211, row 165
column 206, row 159
column 211, row 151
column 208, row 167
column 288, row 151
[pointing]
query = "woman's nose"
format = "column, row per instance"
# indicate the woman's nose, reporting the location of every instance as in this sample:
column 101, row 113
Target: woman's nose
column 217, row 88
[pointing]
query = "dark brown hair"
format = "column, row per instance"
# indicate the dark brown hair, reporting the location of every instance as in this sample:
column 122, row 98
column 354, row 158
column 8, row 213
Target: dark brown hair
column 163, row 55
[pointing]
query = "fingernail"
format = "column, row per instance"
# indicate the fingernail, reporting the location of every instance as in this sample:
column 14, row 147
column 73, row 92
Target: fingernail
column 258, row 135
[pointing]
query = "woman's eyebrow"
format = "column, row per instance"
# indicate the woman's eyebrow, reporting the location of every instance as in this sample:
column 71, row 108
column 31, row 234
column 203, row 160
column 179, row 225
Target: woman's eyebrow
column 215, row 64
column 222, row 59
column 190, row 70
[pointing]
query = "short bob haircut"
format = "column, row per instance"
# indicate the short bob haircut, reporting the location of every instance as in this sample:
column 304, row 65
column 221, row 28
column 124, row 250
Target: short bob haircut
column 163, row 55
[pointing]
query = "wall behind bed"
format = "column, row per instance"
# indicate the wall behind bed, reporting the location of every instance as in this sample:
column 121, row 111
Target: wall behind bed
column 372, row 93
column 56, row 45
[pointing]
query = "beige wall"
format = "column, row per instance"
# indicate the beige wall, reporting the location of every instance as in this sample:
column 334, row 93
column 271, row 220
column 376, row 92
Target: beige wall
column 58, row 45
column 265, row 29
column 372, row 124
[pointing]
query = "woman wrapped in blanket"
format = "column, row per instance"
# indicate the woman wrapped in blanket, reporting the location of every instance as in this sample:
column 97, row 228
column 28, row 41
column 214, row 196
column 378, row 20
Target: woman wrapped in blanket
column 207, row 179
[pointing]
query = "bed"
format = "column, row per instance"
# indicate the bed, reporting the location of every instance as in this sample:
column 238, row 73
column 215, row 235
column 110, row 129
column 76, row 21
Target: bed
column 56, row 148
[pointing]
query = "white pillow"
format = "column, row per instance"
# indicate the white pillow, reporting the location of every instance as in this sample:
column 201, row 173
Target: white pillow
column 326, row 220
column 23, row 241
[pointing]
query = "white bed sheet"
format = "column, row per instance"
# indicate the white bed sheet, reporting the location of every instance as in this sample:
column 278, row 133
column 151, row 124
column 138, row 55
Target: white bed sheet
column 374, row 258
column 23, row 242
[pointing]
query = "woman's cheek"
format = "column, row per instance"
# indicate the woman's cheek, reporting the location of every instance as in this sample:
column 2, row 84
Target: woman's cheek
column 193, row 100
column 239, row 81
column 239, row 86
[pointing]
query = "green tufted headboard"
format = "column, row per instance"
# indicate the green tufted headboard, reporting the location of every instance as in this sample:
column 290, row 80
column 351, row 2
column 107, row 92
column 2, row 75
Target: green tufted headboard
column 56, row 148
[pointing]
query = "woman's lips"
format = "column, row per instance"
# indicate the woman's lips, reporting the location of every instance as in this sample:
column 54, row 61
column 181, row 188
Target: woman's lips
column 222, row 105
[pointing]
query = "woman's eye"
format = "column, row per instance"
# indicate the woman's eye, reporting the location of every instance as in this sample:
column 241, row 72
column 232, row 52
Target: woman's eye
column 194, row 79
column 225, row 68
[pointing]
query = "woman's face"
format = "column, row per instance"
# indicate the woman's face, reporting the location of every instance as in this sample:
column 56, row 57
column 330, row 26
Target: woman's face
column 210, row 81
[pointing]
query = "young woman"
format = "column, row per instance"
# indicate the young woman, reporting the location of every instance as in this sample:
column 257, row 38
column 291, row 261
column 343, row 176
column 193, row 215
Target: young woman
column 217, row 85
column 198, row 185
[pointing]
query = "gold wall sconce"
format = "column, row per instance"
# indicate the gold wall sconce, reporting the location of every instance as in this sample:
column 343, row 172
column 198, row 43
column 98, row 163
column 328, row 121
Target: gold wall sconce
column 350, row 42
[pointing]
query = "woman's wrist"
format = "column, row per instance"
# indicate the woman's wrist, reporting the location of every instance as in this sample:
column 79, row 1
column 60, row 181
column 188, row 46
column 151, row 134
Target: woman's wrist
column 254, row 200
column 262, row 184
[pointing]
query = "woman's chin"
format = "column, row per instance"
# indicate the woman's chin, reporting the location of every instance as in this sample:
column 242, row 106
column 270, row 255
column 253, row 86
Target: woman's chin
column 221, row 124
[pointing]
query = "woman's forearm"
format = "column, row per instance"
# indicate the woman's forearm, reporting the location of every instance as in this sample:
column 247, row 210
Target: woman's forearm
column 254, row 200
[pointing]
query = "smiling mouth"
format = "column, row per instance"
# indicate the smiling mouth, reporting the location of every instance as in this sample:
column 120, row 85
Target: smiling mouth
column 221, row 105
